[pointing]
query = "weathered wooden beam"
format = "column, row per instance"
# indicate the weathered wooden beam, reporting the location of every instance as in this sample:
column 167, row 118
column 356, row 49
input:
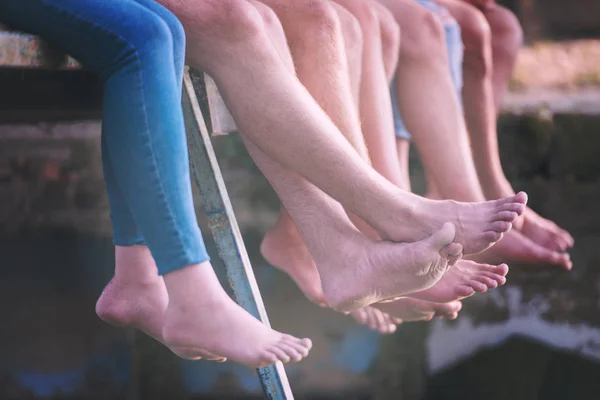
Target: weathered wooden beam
column 24, row 50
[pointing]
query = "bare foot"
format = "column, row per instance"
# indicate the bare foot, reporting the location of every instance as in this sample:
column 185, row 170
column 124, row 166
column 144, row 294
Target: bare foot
column 519, row 249
column 408, row 309
column 463, row 280
column 478, row 225
column 376, row 319
column 137, row 298
column 544, row 232
column 369, row 272
column 540, row 230
column 283, row 248
column 201, row 317
column 139, row 305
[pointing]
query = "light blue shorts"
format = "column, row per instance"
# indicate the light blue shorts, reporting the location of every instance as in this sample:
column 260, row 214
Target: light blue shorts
column 455, row 56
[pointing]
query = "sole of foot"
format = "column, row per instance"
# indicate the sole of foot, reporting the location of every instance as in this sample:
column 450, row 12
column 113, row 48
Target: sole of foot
column 286, row 251
column 371, row 272
column 202, row 318
column 516, row 248
column 463, row 280
column 408, row 309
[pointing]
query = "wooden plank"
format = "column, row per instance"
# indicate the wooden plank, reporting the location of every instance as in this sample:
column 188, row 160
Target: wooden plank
column 221, row 120
column 224, row 227
column 29, row 51
column 26, row 51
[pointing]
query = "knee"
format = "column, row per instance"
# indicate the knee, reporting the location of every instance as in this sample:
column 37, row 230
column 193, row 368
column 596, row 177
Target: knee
column 268, row 16
column 423, row 38
column 352, row 32
column 390, row 36
column 312, row 20
column 154, row 35
column 218, row 21
column 477, row 39
column 176, row 30
column 365, row 15
column 507, row 34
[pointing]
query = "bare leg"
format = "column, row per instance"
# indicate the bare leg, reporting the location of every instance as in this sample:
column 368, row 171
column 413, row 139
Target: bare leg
column 507, row 38
column 479, row 110
column 484, row 85
column 403, row 151
column 360, row 271
column 429, row 104
column 282, row 245
column 273, row 246
column 335, row 230
column 374, row 101
column 321, row 59
column 390, row 48
column 307, row 141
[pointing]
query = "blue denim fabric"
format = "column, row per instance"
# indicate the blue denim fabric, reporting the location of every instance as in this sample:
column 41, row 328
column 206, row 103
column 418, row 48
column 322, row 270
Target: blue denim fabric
column 454, row 45
column 137, row 47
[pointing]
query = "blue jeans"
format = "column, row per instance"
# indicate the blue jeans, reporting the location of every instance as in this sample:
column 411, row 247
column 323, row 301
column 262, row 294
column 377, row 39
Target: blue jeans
column 137, row 47
column 454, row 45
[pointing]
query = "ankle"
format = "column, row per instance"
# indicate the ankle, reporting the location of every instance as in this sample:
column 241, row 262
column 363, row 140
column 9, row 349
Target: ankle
column 495, row 185
column 284, row 228
column 193, row 285
column 134, row 264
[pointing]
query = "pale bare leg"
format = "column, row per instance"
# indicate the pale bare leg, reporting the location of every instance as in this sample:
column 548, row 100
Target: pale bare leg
column 429, row 104
column 334, row 231
column 492, row 40
column 308, row 278
column 377, row 26
column 360, row 271
column 282, row 246
column 507, row 38
column 306, row 140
